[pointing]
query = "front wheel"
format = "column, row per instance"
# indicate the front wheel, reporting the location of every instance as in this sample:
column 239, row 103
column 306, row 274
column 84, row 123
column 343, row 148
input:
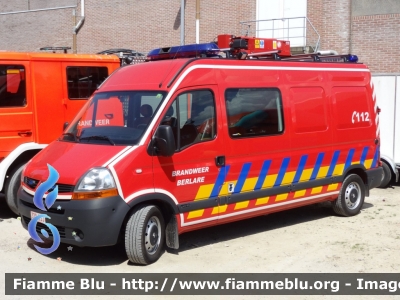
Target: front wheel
column 12, row 186
column 351, row 196
column 145, row 235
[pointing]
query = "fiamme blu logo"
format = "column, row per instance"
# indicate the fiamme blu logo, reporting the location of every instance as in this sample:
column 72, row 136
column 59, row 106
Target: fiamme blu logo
column 44, row 206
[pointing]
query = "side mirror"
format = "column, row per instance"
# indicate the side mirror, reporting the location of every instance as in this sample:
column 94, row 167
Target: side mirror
column 163, row 141
column 65, row 125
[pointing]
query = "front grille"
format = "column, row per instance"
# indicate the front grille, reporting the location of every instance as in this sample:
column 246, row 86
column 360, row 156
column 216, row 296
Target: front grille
column 65, row 188
column 40, row 226
column 62, row 188
column 52, row 209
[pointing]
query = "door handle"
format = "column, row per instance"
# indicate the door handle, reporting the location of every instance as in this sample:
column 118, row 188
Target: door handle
column 220, row 161
column 25, row 133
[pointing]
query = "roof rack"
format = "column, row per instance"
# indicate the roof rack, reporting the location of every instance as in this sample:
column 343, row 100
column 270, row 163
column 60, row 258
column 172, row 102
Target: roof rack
column 126, row 56
column 229, row 46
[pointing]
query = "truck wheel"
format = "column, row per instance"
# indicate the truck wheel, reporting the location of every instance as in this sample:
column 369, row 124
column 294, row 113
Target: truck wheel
column 351, row 196
column 12, row 186
column 387, row 175
column 145, row 235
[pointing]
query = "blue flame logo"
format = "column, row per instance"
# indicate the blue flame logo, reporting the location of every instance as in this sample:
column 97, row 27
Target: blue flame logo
column 38, row 201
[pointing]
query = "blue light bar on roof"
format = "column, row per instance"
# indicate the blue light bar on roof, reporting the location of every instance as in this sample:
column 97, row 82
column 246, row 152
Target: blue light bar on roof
column 352, row 58
column 185, row 51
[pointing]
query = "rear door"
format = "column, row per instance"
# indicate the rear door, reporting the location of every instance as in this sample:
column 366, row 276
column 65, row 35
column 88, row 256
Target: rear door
column 193, row 175
column 16, row 109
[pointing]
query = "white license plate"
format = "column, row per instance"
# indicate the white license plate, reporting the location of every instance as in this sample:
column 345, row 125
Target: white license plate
column 34, row 214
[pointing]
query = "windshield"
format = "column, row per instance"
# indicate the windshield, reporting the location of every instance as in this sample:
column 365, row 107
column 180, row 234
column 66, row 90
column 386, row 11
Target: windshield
column 114, row 118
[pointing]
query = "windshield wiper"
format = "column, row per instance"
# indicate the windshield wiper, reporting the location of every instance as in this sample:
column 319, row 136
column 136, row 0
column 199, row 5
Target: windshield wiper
column 71, row 135
column 98, row 137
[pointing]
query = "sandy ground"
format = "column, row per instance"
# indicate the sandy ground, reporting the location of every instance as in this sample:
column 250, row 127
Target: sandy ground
column 310, row 239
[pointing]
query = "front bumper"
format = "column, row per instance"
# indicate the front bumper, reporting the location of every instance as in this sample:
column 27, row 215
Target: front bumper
column 91, row 223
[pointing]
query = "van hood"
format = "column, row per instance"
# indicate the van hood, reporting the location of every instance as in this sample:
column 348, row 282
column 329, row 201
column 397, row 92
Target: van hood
column 70, row 160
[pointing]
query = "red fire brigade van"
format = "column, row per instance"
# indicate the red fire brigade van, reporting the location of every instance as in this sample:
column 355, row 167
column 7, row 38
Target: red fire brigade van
column 174, row 145
column 39, row 92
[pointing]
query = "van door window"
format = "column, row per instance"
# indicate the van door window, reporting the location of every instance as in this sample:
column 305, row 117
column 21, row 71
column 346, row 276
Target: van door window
column 83, row 81
column 12, row 86
column 192, row 118
column 254, row 112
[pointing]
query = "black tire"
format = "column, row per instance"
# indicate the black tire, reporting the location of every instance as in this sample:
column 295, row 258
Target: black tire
column 387, row 175
column 12, row 185
column 351, row 196
column 145, row 235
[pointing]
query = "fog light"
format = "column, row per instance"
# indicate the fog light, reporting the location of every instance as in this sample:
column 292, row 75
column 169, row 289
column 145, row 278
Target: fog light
column 77, row 235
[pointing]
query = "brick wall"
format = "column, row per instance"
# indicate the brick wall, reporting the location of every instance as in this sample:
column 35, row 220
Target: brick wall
column 33, row 30
column 332, row 21
column 144, row 25
column 376, row 41
column 134, row 24
column 374, row 38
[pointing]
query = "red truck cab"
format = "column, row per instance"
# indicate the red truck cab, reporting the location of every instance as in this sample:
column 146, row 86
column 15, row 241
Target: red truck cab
column 39, row 92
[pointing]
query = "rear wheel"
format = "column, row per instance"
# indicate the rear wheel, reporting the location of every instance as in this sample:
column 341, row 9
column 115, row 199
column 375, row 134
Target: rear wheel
column 12, row 186
column 387, row 175
column 145, row 235
column 351, row 196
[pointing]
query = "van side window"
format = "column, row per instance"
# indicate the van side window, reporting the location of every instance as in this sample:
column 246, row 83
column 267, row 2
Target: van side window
column 12, row 86
column 192, row 118
column 254, row 112
column 83, row 81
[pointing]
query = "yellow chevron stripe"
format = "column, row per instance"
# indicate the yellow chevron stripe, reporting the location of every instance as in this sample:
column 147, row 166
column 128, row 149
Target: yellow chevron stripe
column 223, row 208
column 338, row 169
column 195, row 214
column 224, row 189
column 300, row 193
column 269, row 181
column 316, row 190
column 204, row 191
column 249, row 184
column 241, row 205
column 261, row 201
column 305, row 176
column 332, row 187
column 281, row 197
column 288, row 178
column 368, row 163
column 322, row 172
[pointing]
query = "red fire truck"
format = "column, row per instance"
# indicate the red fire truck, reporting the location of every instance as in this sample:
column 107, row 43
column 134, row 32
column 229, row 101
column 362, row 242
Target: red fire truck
column 207, row 134
column 39, row 92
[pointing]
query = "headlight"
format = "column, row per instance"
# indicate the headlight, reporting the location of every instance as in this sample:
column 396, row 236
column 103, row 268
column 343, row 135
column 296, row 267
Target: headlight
column 96, row 179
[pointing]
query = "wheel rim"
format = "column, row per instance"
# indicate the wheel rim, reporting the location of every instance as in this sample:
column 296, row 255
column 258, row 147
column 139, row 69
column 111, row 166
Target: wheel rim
column 353, row 195
column 152, row 235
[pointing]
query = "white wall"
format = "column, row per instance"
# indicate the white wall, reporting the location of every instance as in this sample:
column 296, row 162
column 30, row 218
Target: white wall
column 278, row 9
column 387, row 90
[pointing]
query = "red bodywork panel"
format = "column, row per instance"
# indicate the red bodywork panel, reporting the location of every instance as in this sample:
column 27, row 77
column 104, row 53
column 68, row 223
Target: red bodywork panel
column 71, row 160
